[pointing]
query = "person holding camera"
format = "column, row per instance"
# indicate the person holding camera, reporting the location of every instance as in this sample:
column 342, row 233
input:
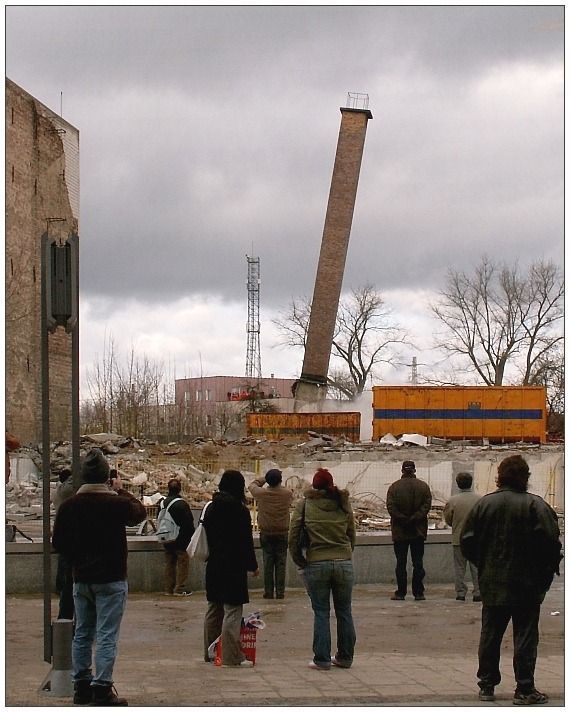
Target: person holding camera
column 89, row 530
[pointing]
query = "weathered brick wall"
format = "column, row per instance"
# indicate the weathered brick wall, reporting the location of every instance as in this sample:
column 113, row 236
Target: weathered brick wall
column 42, row 160
column 334, row 245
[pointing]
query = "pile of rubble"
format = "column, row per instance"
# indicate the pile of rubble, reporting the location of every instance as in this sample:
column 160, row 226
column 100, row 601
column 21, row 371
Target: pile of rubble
column 146, row 466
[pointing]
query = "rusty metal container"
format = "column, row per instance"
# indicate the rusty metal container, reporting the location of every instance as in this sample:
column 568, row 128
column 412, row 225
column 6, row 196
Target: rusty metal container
column 276, row 425
column 500, row 414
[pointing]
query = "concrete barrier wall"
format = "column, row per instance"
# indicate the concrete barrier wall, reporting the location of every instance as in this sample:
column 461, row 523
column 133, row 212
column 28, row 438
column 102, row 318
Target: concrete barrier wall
column 374, row 562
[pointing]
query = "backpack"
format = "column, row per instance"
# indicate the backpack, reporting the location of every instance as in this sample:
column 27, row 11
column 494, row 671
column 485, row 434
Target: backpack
column 166, row 528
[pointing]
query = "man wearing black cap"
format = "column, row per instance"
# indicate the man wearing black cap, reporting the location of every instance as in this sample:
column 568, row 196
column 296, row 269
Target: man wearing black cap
column 273, row 515
column 408, row 501
column 89, row 530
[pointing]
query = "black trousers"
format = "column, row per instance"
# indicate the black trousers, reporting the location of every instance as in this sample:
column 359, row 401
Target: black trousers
column 416, row 547
column 64, row 586
column 494, row 622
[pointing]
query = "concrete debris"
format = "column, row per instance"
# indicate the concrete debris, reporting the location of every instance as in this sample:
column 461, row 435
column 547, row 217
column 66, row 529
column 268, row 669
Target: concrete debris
column 146, row 466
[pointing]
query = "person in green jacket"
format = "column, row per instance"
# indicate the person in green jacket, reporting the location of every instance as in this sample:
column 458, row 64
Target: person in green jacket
column 326, row 566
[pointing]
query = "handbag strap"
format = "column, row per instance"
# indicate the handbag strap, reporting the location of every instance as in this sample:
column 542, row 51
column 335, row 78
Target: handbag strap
column 201, row 520
column 303, row 512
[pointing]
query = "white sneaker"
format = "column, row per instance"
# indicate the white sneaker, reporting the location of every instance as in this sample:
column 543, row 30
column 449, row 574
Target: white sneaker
column 315, row 666
column 243, row 664
column 184, row 594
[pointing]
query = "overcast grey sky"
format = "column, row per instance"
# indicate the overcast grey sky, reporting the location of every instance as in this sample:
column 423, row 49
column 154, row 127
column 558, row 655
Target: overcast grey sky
column 209, row 133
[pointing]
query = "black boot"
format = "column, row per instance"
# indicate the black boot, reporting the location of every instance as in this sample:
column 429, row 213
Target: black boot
column 106, row 696
column 83, row 692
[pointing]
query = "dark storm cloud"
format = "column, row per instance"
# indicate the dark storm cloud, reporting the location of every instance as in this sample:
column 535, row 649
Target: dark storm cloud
column 209, row 132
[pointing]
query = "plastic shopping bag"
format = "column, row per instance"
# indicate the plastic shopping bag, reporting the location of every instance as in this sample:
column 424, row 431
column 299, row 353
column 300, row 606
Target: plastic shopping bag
column 248, row 638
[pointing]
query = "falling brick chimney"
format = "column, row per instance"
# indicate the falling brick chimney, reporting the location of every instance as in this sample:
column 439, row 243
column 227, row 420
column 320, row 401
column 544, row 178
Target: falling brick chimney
column 311, row 386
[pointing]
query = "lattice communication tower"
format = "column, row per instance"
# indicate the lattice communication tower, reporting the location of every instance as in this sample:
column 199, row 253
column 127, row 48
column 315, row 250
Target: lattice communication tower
column 253, row 356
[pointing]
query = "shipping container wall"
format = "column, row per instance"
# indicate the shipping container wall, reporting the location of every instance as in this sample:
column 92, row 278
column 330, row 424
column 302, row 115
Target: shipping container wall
column 500, row 414
column 276, row 425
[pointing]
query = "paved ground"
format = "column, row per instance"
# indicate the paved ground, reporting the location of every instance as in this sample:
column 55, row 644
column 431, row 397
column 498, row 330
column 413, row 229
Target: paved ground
column 409, row 654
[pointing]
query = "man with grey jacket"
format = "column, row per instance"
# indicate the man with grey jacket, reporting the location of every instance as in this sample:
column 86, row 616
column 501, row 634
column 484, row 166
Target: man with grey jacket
column 455, row 513
column 273, row 515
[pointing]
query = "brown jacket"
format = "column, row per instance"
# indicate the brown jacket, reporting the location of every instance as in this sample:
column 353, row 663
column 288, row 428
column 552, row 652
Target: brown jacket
column 273, row 506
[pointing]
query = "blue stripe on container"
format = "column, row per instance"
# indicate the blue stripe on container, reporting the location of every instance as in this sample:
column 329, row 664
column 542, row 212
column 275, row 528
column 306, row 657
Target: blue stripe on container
column 454, row 414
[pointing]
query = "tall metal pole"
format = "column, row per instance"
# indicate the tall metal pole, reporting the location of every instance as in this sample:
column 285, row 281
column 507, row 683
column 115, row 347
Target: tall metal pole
column 46, row 454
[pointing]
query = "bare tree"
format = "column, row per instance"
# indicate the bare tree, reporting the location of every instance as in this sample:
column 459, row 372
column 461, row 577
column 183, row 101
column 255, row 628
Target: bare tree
column 366, row 334
column 498, row 317
column 549, row 372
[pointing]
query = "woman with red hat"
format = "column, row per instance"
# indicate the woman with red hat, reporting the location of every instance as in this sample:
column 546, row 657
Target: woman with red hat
column 326, row 566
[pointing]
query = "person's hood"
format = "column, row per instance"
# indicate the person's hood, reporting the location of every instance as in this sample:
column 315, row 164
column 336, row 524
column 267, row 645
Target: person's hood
column 95, row 488
column 326, row 500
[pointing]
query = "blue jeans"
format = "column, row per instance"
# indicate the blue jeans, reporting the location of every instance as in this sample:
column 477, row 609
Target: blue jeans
column 274, row 548
column 322, row 579
column 99, row 609
column 416, row 547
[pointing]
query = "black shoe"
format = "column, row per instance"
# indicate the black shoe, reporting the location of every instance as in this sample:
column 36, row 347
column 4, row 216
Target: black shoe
column 397, row 597
column 419, row 598
column 487, row 694
column 106, row 696
column 267, row 595
column 477, row 599
column 534, row 697
column 83, row 692
column 280, row 595
column 459, row 598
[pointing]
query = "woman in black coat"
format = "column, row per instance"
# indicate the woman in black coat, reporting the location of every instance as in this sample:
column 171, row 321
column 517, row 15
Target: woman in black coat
column 231, row 555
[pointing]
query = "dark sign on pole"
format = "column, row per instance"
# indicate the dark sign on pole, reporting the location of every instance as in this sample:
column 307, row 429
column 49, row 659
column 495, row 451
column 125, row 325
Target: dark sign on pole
column 61, row 282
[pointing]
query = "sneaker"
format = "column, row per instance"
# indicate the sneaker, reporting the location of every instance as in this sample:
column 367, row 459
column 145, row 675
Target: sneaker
column 419, row 598
column 168, row 593
column 184, row 594
column 397, row 597
column 315, row 666
column 487, row 694
column 459, row 598
column 243, row 664
column 534, row 697
column 340, row 663
column 477, row 599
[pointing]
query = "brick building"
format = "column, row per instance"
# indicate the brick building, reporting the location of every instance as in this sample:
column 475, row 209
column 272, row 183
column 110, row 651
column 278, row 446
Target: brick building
column 42, row 195
column 218, row 401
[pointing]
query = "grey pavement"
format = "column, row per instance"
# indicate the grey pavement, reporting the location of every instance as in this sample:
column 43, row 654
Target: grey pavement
column 408, row 654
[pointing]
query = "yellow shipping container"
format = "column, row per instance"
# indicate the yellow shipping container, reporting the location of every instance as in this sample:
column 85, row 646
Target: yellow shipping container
column 500, row 414
column 275, row 425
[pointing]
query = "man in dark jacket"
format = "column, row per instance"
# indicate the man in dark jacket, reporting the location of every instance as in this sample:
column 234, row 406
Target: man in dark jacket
column 408, row 501
column 176, row 559
column 513, row 538
column 89, row 530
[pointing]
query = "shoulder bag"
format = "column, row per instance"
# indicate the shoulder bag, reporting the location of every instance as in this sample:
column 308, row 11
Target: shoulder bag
column 198, row 546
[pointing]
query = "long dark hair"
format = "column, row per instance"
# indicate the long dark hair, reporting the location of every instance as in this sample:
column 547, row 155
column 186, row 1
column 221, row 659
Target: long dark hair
column 233, row 483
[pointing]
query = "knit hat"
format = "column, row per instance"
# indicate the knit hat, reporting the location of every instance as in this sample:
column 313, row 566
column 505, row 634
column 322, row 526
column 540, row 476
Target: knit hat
column 408, row 466
column 273, row 477
column 323, row 479
column 95, row 468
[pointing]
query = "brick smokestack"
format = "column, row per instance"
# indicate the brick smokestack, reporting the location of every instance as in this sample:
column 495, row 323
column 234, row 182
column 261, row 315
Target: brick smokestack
column 311, row 387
